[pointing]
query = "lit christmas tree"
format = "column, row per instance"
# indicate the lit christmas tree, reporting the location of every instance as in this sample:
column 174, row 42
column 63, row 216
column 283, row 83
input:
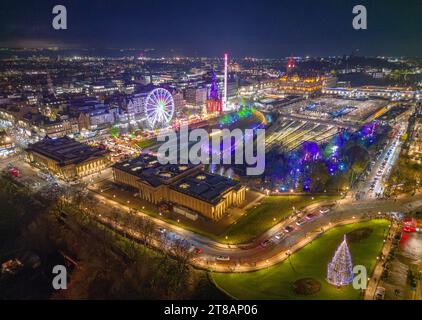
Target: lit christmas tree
column 340, row 269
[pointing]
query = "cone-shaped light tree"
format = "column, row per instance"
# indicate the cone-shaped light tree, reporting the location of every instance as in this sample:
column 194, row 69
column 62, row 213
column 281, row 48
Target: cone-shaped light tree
column 340, row 269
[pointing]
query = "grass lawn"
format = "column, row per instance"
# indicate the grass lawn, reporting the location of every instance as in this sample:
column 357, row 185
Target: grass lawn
column 258, row 220
column 311, row 261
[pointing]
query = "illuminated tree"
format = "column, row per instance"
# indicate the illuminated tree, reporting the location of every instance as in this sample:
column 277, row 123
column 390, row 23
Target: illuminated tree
column 340, row 269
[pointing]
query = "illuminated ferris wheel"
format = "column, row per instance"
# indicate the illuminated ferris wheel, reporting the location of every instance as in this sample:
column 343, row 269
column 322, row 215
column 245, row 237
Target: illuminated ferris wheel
column 159, row 108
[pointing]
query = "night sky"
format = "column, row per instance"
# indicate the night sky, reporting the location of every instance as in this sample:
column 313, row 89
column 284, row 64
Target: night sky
column 262, row 28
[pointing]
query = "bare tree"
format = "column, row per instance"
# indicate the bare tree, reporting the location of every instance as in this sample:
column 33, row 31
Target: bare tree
column 182, row 251
column 115, row 215
column 146, row 229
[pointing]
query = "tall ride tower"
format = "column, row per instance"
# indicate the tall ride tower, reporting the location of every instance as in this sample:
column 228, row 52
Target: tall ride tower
column 225, row 82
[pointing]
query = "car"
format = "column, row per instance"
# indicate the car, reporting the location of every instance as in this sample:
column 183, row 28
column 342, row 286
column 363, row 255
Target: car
column 324, row 210
column 300, row 222
column 310, row 216
column 288, row 229
column 161, row 230
column 380, row 293
column 195, row 250
column 15, row 172
column 279, row 236
column 265, row 243
column 222, row 258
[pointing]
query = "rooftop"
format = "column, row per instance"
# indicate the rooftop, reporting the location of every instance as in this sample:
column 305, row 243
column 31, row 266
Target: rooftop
column 148, row 168
column 205, row 186
column 66, row 150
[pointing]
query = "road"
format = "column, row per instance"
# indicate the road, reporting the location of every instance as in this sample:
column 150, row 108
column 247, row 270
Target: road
column 254, row 256
column 373, row 187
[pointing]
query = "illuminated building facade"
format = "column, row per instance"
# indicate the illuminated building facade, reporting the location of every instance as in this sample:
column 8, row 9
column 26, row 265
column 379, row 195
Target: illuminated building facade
column 68, row 158
column 196, row 97
column 300, row 85
column 291, row 64
column 185, row 186
column 415, row 146
column 214, row 103
column 390, row 93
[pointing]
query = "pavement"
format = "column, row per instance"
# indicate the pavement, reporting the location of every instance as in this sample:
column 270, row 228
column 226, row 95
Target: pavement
column 373, row 283
column 408, row 256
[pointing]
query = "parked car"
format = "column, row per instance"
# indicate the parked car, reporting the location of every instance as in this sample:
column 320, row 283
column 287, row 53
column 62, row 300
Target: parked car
column 279, row 236
column 310, row 216
column 288, row 229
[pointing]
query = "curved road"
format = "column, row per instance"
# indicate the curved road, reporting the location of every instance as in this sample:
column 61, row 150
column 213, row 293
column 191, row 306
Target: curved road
column 254, row 256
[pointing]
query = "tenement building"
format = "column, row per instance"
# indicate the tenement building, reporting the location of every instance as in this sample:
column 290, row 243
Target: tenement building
column 68, row 158
column 185, row 186
column 415, row 146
